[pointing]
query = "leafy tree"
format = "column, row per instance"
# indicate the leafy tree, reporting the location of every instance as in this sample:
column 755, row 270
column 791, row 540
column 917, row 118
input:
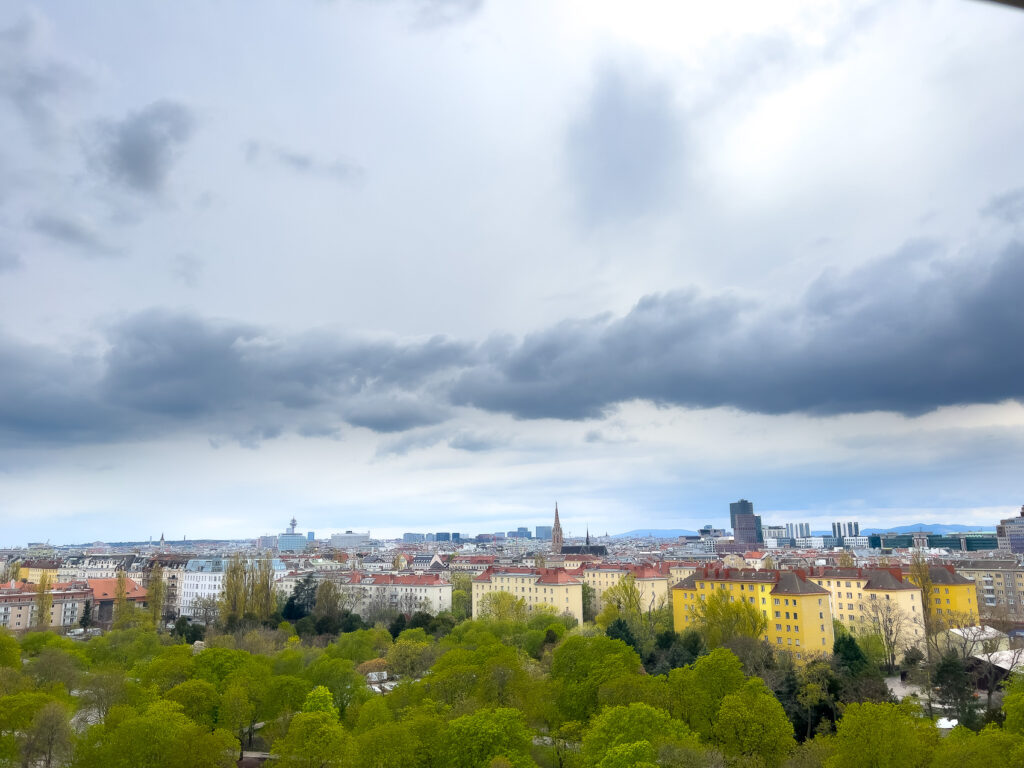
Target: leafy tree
column 719, row 619
column 883, row 736
column 589, row 603
column 155, row 594
column 236, row 713
column 206, row 610
column 320, row 699
column 956, row 689
column 86, row 619
column 638, row 754
column 10, row 651
column 339, row 676
column 696, row 692
column 890, row 622
column 314, row 740
column 259, row 589
column 235, row 592
column 475, row 739
column 44, row 600
column 57, row 665
column 502, row 606
column 619, row 630
column 408, row 658
column 198, row 699
column 328, row 601
column 964, row 749
column 615, row 726
column 121, row 598
column 580, row 665
column 159, row 737
column 48, row 741
column 751, row 723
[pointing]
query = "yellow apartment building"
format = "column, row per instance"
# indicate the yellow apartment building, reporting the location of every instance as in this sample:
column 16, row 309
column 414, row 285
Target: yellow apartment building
column 953, row 597
column 864, row 599
column 33, row 570
column 797, row 610
column 538, row 587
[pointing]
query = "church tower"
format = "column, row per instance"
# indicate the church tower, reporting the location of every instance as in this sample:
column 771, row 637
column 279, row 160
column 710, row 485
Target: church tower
column 556, row 534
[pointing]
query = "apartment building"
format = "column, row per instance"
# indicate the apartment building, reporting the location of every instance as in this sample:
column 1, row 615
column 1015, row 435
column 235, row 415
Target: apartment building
column 652, row 581
column 103, row 567
column 18, row 604
column 953, row 597
column 999, row 585
column 404, row 592
column 538, row 587
column 797, row 609
column 864, row 599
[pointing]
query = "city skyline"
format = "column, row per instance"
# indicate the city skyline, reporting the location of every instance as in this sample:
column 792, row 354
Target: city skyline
column 369, row 265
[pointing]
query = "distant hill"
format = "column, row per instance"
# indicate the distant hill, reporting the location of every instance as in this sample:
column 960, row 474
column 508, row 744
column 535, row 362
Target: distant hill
column 657, row 533
column 939, row 528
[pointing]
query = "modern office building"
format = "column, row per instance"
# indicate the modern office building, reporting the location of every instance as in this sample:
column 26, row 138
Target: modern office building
column 798, row 530
column 542, row 532
column 442, row 536
column 1010, row 533
column 413, row 538
column 349, row 540
column 746, row 526
column 841, row 530
column 290, row 541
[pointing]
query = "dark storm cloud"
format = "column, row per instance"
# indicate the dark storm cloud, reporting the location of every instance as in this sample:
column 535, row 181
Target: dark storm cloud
column 624, row 150
column 140, row 150
column 304, row 163
column 165, row 371
column 909, row 334
column 32, row 81
column 73, row 230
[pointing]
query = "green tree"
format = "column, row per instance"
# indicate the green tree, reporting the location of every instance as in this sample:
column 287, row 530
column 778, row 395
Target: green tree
column 49, row 740
column 589, row 603
column 121, row 598
column 408, row 658
column 720, row 619
column 883, row 736
column 314, row 740
column 328, row 601
column 44, row 600
column 260, row 600
column 962, row 748
column 236, row 713
column 475, row 739
column 198, row 699
column 86, row 619
column 232, row 604
column 955, row 689
column 10, row 651
column 616, row 726
column 639, row 754
column 751, row 723
column 581, row 665
column 155, row 594
column 502, row 606
column 320, row 699
column 697, row 691
column 159, row 737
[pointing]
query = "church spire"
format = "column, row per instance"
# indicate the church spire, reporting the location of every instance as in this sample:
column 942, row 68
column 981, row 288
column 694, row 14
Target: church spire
column 556, row 533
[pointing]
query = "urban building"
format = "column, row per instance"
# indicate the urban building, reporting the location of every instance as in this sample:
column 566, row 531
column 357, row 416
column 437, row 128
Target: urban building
column 266, row 543
column 538, row 587
column 815, row 542
column 741, row 507
column 968, row 541
column 842, row 530
column 442, row 536
column 204, row 578
column 999, row 586
column 104, row 596
column 18, row 604
column 375, row 594
column 413, row 538
column 953, row 596
column 798, row 530
column 774, row 532
column 652, row 581
column 1010, row 533
column 797, row 609
column 542, row 532
column 350, row 540
column 290, row 541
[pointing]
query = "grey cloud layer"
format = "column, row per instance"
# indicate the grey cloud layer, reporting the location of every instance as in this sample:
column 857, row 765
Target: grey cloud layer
column 907, row 333
column 139, row 150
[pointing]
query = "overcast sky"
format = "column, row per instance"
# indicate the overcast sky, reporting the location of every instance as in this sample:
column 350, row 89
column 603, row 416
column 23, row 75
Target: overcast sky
column 438, row 264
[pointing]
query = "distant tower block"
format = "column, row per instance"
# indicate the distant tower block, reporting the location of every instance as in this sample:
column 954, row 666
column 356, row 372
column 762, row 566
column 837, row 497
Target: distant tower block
column 556, row 533
column 293, row 523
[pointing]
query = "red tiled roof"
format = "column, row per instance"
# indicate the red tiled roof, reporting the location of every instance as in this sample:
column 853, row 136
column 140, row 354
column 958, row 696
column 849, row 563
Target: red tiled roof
column 106, row 589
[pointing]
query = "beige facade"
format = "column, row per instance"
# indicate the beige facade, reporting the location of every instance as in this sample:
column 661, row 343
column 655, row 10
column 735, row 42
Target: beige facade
column 537, row 587
column 652, row 582
column 18, row 605
column 999, row 586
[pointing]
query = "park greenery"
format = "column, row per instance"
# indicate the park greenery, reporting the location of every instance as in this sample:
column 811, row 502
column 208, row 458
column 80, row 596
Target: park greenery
column 512, row 688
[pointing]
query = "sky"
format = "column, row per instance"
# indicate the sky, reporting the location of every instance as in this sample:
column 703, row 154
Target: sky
column 422, row 265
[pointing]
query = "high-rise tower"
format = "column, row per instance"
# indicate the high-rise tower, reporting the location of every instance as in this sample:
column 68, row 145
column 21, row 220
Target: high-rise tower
column 556, row 533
